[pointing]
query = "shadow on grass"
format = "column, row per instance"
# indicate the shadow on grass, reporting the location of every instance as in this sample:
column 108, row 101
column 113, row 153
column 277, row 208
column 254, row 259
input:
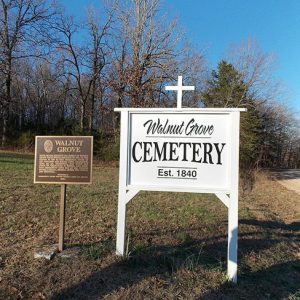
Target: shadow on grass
column 280, row 281
column 277, row 281
column 295, row 226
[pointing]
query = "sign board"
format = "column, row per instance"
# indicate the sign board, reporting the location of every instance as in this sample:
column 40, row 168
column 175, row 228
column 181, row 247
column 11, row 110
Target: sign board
column 63, row 159
column 179, row 150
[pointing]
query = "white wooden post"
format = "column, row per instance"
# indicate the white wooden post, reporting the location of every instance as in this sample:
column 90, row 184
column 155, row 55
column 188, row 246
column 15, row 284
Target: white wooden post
column 233, row 202
column 121, row 226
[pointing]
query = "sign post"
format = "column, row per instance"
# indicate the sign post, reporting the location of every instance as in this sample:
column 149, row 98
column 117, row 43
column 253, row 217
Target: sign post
column 192, row 150
column 63, row 160
column 62, row 216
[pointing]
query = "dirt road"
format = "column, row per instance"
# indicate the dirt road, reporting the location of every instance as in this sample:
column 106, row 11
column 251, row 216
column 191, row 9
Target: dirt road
column 289, row 178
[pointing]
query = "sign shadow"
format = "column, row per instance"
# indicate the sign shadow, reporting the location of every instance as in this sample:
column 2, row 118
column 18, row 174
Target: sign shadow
column 198, row 255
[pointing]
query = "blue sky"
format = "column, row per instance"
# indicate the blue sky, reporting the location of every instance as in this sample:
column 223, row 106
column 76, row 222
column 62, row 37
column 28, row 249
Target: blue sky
column 214, row 25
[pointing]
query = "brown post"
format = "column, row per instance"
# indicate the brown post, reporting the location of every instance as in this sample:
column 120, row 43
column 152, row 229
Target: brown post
column 62, row 215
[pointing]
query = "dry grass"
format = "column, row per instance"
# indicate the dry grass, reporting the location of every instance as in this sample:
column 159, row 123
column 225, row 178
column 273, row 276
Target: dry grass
column 177, row 242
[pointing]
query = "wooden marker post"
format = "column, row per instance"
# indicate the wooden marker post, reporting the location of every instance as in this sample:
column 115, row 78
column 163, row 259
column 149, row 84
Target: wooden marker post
column 62, row 217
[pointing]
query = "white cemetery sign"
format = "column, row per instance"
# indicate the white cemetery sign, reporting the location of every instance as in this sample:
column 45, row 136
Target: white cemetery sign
column 181, row 150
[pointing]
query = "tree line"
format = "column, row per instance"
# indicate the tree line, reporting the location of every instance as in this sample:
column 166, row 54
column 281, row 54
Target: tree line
column 61, row 75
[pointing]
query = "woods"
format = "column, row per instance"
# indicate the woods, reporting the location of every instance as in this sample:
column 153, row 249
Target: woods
column 60, row 75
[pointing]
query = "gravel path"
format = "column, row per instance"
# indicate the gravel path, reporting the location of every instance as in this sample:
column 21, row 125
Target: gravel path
column 289, row 178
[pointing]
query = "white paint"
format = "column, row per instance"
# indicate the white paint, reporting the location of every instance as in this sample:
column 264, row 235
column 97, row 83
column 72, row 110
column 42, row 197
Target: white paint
column 179, row 88
column 122, row 185
column 202, row 175
column 221, row 180
column 233, row 202
column 224, row 198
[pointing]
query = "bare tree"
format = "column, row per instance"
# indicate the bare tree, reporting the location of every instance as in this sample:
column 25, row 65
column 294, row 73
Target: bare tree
column 96, row 55
column 256, row 68
column 72, row 58
column 193, row 66
column 279, row 133
column 280, row 137
column 22, row 31
column 84, row 63
column 143, row 53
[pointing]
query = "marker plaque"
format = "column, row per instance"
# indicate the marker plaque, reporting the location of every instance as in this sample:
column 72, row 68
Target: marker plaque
column 63, row 159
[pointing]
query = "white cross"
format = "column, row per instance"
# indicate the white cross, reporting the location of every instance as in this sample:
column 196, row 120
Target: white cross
column 179, row 88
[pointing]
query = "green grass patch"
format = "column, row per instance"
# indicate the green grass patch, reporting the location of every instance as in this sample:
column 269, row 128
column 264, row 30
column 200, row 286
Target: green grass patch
column 98, row 250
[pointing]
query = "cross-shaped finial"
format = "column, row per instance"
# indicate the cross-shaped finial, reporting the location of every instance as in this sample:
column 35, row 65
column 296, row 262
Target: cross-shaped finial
column 179, row 88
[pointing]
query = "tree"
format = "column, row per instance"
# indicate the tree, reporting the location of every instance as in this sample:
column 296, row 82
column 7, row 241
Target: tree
column 40, row 95
column 256, row 69
column 23, row 32
column 226, row 88
column 280, row 137
column 97, row 55
column 270, row 133
column 144, row 49
column 84, row 63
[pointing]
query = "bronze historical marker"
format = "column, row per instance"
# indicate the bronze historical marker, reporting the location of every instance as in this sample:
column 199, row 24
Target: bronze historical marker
column 63, row 159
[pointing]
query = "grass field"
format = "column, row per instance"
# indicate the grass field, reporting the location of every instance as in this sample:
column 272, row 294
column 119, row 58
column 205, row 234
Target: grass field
column 177, row 242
